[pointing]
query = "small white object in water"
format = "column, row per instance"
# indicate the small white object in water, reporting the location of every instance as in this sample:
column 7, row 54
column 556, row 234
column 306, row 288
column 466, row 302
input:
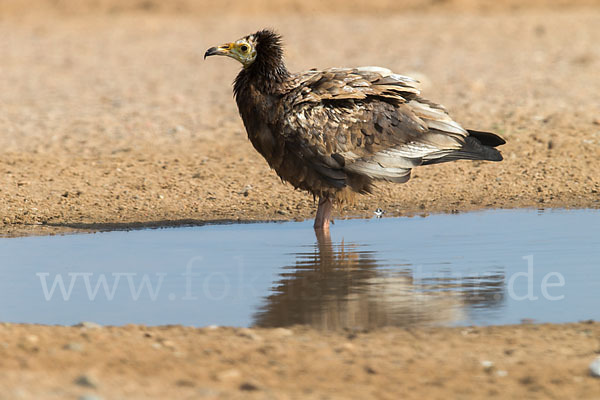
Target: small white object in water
column 379, row 212
column 595, row 367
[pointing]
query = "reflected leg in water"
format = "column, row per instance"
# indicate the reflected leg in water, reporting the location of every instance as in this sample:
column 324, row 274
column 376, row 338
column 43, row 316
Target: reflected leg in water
column 337, row 285
column 324, row 241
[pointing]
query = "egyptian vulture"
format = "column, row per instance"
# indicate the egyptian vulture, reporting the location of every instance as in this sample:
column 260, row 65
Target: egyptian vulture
column 334, row 132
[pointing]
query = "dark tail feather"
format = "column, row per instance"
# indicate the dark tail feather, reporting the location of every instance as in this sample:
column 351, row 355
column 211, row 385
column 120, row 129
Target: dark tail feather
column 478, row 146
column 487, row 138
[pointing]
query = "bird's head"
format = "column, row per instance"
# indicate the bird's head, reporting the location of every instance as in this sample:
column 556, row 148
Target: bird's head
column 263, row 45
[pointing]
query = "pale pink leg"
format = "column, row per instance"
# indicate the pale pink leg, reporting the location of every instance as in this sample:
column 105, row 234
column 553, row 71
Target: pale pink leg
column 323, row 214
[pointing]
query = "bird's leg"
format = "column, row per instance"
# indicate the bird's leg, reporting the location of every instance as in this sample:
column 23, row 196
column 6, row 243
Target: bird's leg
column 323, row 214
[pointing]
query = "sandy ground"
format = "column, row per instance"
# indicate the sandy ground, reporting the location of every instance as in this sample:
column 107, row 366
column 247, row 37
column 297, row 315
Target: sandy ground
column 136, row 362
column 116, row 121
column 109, row 118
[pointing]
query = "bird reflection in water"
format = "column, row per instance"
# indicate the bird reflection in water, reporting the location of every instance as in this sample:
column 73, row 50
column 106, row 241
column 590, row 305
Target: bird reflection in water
column 343, row 285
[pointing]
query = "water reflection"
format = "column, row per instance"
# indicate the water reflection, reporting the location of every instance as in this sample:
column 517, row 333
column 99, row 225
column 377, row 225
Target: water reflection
column 346, row 285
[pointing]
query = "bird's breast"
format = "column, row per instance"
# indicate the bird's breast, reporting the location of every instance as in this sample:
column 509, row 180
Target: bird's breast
column 260, row 113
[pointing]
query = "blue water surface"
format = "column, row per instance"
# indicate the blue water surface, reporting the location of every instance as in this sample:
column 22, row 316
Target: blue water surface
column 484, row 268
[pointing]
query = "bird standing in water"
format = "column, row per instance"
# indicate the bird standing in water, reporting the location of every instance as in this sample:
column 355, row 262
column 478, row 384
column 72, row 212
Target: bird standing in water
column 334, row 132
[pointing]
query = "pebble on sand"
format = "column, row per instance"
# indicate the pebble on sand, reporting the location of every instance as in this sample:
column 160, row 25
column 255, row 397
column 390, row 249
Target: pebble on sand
column 88, row 325
column 86, row 381
column 595, row 368
column 249, row 386
column 73, row 346
column 228, row 375
column 487, row 365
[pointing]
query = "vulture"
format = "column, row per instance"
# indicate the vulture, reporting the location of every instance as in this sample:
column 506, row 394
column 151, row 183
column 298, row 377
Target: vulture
column 334, row 132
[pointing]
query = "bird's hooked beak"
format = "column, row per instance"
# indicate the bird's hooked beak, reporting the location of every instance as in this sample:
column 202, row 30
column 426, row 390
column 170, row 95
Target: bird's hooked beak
column 222, row 50
column 241, row 50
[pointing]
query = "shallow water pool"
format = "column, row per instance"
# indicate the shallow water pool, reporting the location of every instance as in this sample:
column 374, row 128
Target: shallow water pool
column 492, row 267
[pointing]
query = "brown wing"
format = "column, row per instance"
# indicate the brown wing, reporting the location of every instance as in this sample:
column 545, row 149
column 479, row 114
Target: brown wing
column 344, row 83
column 366, row 121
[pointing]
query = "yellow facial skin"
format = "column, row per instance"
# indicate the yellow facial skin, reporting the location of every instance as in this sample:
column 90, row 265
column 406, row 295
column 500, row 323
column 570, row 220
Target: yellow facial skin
column 240, row 50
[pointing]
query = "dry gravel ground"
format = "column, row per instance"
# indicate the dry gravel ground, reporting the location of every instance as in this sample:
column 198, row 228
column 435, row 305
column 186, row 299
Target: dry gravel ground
column 136, row 362
column 110, row 118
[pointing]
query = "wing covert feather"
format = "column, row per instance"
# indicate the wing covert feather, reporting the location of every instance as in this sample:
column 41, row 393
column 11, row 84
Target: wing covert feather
column 366, row 121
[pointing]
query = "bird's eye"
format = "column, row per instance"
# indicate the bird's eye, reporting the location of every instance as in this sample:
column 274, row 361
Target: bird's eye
column 244, row 48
